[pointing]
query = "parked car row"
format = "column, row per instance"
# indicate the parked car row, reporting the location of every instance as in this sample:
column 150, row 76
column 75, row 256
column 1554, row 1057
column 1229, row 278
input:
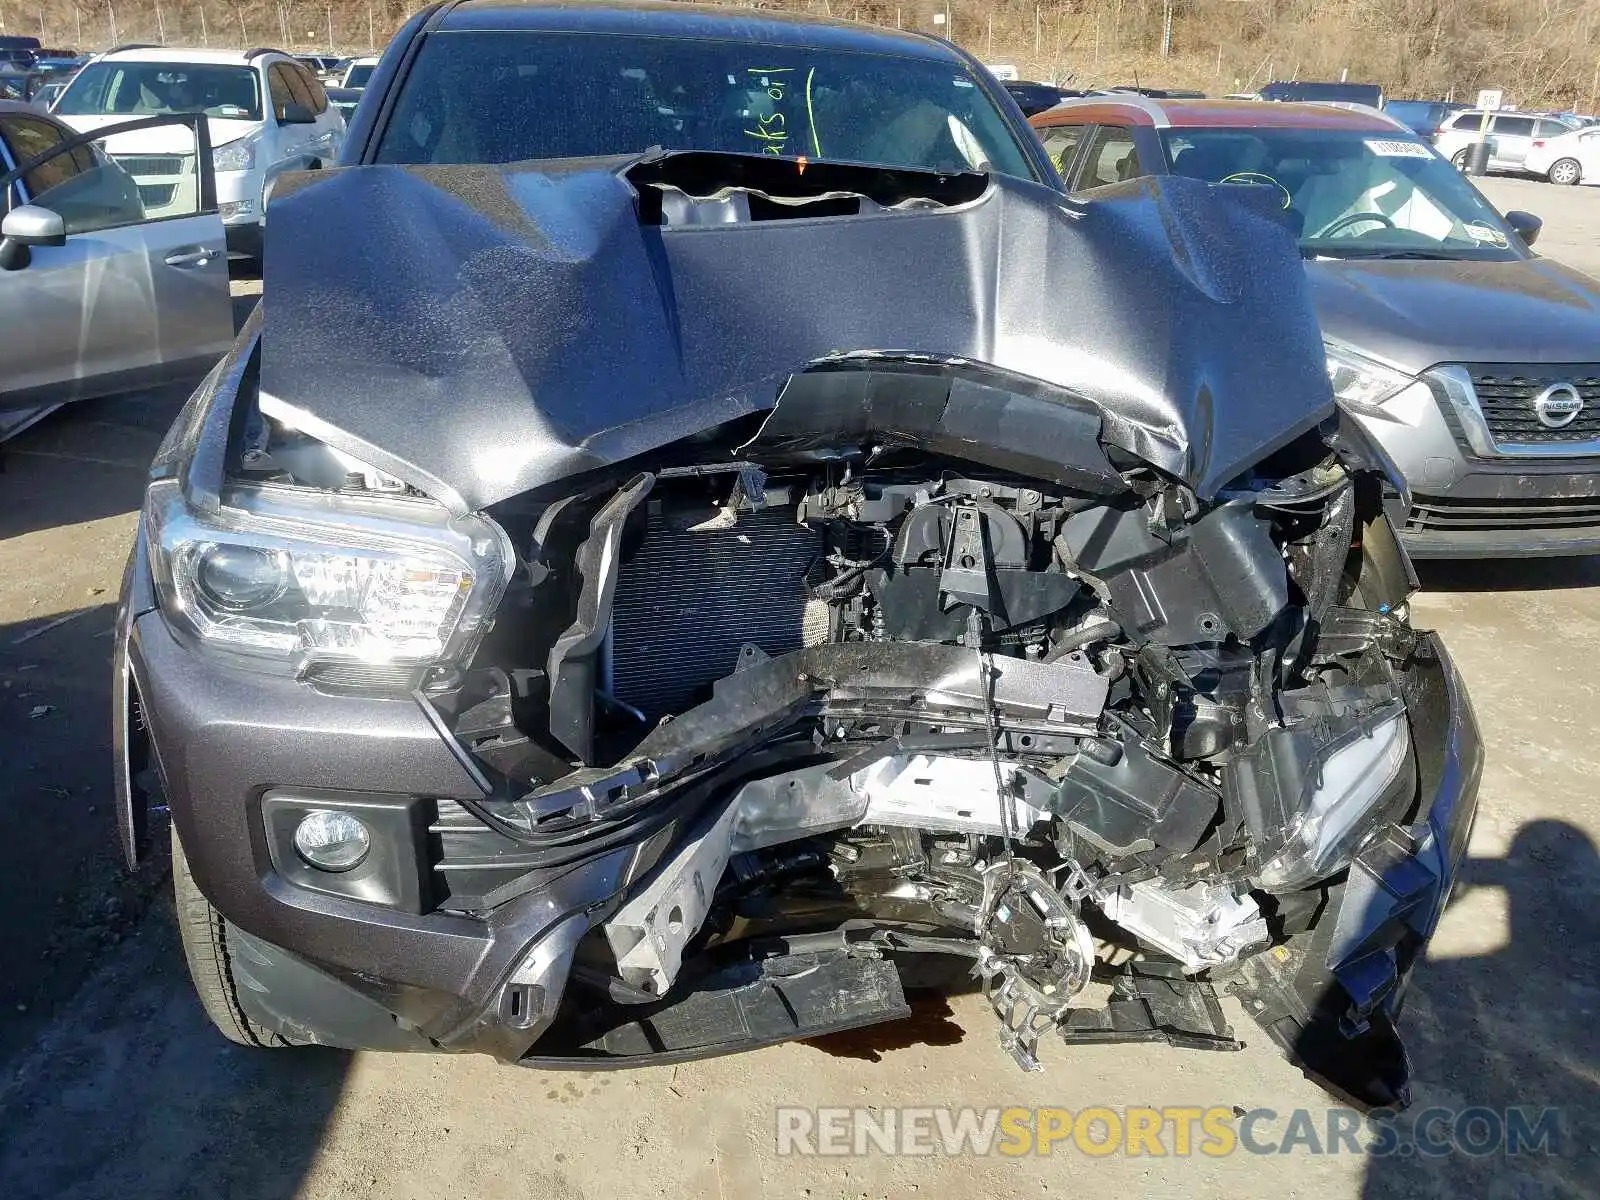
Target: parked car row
column 1554, row 146
column 114, row 254
column 265, row 112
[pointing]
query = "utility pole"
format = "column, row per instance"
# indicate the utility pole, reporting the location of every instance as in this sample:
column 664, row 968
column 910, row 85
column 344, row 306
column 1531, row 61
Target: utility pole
column 244, row 38
column 372, row 39
column 330, row 29
column 161, row 25
column 1038, row 29
column 111, row 14
column 283, row 26
column 205, row 34
column 1166, row 28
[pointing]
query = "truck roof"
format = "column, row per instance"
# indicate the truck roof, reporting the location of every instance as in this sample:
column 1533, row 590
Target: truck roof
column 668, row 18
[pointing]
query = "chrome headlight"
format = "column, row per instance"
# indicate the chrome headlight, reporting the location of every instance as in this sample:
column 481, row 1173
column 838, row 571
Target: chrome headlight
column 1359, row 383
column 285, row 579
column 235, row 156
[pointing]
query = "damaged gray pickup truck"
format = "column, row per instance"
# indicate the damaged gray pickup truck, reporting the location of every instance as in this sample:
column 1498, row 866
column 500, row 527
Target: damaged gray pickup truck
column 650, row 608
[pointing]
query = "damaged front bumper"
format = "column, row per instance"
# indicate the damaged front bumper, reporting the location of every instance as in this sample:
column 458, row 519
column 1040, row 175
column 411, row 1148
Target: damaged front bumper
column 390, row 974
column 1331, row 997
column 728, row 707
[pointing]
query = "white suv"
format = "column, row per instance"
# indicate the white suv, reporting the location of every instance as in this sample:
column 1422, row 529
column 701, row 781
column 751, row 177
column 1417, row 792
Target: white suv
column 1511, row 136
column 266, row 114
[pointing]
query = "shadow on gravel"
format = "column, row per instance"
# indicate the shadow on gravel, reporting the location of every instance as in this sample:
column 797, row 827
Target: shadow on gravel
column 1509, row 574
column 134, row 1095
column 114, row 1083
column 65, row 892
column 1518, row 1028
column 84, row 462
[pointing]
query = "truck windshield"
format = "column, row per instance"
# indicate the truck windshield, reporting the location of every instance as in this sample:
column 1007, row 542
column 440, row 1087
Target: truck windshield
column 478, row 97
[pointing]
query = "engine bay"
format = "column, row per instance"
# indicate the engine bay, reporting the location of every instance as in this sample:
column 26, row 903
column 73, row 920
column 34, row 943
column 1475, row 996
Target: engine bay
column 1049, row 732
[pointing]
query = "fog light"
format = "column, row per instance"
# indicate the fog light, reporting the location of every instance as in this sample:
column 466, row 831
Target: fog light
column 332, row 841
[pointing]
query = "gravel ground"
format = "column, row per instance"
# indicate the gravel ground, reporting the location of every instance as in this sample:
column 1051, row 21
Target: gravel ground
column 111, row 1084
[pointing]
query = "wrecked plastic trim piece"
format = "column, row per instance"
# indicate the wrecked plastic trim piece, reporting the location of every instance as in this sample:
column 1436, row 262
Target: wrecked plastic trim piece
column 1151, row 1002
column 747, row 1004
column 1330, row 997
column 571, row 663
column 935, row 681
column 961, row 409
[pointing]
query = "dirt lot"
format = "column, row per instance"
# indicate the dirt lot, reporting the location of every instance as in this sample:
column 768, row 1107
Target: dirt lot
column 111, row 1084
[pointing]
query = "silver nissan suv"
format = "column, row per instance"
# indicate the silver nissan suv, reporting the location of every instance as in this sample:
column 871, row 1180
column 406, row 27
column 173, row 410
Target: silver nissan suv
column 1473, row 362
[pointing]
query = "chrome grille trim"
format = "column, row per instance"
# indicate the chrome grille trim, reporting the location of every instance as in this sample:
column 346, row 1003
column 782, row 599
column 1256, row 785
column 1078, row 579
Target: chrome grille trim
column 152, row 164
column 1479, row 424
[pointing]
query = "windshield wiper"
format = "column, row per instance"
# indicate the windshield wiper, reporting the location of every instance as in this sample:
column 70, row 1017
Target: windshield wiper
column 1411, row 253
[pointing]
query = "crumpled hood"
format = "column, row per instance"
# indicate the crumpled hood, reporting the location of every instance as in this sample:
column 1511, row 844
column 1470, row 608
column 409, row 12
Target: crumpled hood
column 487, row 330
column 1417, row 314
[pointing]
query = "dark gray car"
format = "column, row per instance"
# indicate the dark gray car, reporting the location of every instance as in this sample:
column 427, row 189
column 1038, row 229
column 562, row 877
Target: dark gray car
column 1472, row 361
column 620, row 606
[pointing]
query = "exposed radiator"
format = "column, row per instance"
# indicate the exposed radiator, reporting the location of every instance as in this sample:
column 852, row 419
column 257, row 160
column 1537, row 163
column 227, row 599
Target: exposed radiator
column 688, row 600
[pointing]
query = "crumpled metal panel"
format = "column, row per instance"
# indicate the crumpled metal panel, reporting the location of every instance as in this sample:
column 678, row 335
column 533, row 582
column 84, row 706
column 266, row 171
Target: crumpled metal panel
column 502, row 327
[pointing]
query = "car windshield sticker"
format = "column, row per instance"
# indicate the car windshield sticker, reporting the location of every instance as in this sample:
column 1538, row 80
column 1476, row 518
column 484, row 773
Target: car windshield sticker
column 1482, row 232
column 1393, row 148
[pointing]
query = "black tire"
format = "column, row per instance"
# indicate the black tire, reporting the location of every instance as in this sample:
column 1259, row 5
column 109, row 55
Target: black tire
column 1566, row 171
column 1458, row 160
column 204, row 933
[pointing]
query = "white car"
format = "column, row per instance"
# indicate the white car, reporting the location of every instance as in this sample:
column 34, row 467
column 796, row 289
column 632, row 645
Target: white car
column 358, row 72
column 265, row 113
column 1568, row 157
column 1511, row 136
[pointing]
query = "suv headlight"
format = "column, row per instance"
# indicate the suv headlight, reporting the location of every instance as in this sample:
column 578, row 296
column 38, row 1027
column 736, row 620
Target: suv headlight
column 286, row 580
column 235, row 156
column 1360, row 384
column 1348, row 784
